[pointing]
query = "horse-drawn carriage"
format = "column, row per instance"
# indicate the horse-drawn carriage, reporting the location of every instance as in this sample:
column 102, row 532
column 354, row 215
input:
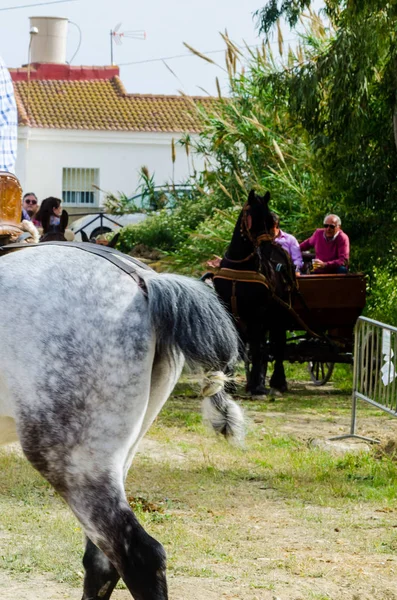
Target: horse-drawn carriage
column 329, row 305
column 256, row 280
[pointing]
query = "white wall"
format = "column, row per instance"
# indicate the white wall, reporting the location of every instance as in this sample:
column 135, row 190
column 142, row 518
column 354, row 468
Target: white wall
column 43, row 153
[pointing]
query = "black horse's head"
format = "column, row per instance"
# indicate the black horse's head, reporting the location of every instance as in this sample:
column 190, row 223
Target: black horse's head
column 257, row 219
column 254, row 226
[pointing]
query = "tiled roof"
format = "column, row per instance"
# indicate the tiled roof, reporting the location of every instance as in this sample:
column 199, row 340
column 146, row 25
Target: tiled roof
column 100, row 104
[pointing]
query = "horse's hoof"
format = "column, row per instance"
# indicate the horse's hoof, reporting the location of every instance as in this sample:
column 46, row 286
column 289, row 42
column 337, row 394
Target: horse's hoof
column 279, row 388
column 259, row 391
column 274, row 393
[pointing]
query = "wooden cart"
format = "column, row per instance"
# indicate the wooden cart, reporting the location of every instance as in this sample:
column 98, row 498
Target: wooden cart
column 330, row 306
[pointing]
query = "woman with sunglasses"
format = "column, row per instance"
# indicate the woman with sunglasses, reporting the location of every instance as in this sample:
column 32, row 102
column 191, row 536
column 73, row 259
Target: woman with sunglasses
column 31, row 205
column 331, row 246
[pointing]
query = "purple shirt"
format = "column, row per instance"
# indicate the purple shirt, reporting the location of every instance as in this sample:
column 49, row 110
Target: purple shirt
column 334, row 252
column 290, row 244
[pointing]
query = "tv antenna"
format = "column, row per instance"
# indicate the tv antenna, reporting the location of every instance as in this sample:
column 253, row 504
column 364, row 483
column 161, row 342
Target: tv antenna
column 116, row 37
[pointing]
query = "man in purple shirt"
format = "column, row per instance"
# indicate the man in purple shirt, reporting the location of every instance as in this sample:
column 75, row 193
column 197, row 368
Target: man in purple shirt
column 331, row 246
column 289, row 243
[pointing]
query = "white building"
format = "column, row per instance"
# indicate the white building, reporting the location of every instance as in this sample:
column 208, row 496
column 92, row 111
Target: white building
column 79, row 130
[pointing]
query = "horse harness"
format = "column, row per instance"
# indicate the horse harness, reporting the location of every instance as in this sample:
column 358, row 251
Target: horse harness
column 234, row 273
column 126, row 263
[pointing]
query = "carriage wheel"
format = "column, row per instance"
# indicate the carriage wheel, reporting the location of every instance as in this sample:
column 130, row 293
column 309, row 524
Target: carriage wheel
column 320, row 372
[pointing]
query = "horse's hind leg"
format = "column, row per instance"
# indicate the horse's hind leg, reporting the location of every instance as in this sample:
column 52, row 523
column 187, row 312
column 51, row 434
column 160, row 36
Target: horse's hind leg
column 89, row 476
column 131, row 553
column 100, row 575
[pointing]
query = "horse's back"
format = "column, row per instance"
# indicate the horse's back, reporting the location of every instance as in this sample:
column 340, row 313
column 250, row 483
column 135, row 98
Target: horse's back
column 75, row 339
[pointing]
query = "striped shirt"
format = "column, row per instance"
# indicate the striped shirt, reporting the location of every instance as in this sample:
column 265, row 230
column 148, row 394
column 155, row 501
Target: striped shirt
column 8, row 121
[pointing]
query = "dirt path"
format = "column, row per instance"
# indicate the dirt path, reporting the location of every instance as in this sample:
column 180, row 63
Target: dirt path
column 306, row 556
column 38, row 588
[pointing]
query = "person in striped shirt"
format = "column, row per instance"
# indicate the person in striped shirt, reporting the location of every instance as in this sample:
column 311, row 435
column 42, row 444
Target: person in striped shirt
column 8, row 121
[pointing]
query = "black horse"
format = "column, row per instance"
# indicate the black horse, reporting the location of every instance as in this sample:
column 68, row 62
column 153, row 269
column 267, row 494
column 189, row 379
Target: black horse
column 256, row 280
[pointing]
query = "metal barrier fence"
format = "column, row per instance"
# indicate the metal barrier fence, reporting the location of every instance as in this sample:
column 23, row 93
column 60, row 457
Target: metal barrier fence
column 374, row 377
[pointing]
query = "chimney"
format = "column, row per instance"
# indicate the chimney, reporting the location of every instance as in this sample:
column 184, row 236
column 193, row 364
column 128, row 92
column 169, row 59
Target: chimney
column 49, row 44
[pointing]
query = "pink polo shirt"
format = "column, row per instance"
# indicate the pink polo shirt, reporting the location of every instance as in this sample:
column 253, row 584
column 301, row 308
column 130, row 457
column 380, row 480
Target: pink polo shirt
column 334, row 252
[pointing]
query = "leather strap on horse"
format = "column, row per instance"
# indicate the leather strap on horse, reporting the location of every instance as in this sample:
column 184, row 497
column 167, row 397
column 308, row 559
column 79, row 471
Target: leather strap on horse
column 233, row 300
column 265, row 237
column 296, row 316
column 246, row 259
column 236, row 276
column 126, row 263
column 245, row 276
column 294, row 288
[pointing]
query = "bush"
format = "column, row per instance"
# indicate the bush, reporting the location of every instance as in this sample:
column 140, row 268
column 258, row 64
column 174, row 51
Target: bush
column 382, row 295
column 211, row 237
column 167, row 229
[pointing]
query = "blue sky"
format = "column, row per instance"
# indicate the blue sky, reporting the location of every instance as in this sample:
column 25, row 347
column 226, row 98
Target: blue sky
column 167, row 25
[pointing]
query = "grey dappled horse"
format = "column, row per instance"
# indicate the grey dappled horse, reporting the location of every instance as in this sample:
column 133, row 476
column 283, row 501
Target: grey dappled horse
column 88, row 356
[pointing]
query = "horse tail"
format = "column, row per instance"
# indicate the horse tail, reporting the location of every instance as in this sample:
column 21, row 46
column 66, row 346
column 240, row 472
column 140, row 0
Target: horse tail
column 219, row 410
column 188, row 317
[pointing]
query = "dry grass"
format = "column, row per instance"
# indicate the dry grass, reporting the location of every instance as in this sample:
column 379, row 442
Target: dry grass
column 279, row 518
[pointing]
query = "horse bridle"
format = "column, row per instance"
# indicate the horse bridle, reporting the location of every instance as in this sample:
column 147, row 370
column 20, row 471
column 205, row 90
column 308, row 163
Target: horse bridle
column 246, row 232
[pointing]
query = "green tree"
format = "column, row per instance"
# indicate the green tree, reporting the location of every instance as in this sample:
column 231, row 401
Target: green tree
column 248, row 141
column 343, row 93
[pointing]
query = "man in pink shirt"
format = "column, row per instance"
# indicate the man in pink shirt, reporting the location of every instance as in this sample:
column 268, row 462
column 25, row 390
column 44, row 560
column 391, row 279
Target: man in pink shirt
column 331, row 246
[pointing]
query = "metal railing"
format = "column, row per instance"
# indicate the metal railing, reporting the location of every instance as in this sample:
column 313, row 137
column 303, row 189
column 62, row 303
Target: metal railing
column 374, row 376
column 98, row 216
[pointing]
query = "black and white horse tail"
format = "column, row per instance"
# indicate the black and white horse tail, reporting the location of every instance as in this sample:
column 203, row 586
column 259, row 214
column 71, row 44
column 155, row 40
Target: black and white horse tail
column 188, row 317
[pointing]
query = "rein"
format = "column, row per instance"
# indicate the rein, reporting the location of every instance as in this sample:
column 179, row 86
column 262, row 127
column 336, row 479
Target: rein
column 264, row 237
column 296, row 316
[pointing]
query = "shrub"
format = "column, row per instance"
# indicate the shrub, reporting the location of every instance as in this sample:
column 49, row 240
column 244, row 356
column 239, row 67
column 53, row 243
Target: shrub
column 382, row 295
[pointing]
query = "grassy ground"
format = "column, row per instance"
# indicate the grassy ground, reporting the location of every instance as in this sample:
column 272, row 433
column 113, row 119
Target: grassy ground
column 251, row 520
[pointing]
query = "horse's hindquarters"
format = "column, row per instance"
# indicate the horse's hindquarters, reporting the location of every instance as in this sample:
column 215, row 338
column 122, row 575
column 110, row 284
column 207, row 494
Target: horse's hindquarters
column 77, row 353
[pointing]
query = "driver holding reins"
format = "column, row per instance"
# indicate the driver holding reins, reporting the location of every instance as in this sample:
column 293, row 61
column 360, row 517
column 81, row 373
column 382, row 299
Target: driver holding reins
column 331, row 246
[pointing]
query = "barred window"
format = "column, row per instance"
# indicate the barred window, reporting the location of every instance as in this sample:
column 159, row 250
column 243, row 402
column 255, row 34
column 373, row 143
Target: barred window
column 80, row 187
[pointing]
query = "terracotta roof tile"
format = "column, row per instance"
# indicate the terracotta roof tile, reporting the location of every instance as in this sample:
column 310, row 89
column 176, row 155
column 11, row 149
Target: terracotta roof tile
column 103, row 104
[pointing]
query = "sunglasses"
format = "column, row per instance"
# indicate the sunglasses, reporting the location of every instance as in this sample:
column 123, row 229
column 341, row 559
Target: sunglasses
column 326, row 226
column 30, row 202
